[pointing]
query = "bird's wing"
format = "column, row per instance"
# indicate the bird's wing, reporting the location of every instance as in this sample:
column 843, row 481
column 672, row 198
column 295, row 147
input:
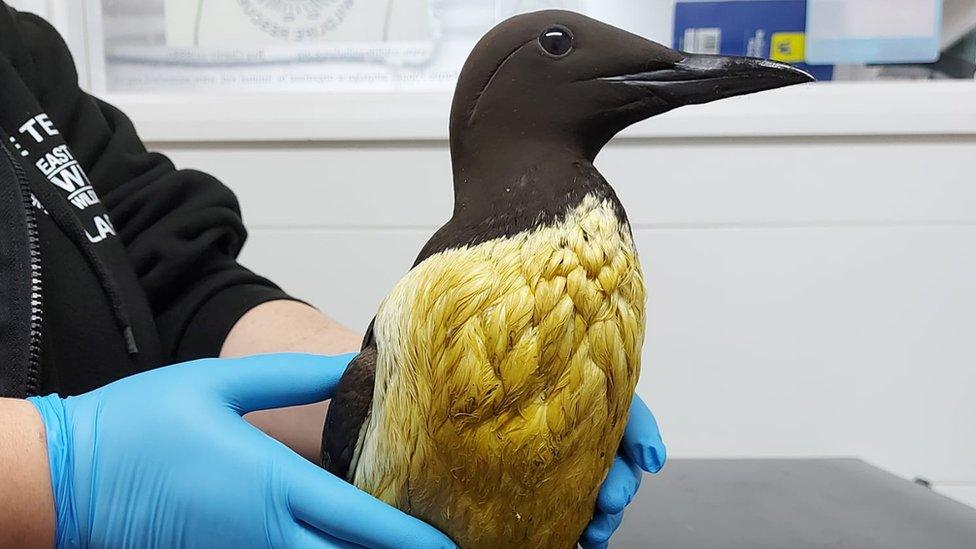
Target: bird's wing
column 348, row 412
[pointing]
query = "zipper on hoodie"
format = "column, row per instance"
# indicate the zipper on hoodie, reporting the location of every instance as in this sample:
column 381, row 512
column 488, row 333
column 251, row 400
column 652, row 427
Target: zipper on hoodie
column 36, row 298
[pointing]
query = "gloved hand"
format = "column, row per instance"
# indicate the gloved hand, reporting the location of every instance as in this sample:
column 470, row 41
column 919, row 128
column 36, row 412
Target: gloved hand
column 640, row 450
column 164, row 459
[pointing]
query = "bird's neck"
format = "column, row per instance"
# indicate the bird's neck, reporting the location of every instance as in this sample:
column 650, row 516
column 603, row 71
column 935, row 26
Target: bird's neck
column 520, row 186
column 503, row 171
column 501, row 191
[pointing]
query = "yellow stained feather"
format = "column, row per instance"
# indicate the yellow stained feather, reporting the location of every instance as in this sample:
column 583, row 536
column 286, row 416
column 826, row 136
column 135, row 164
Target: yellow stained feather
column 504, row 375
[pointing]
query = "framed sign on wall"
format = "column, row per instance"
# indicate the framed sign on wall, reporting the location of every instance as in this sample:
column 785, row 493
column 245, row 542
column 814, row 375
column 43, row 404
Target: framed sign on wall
column 192, row 46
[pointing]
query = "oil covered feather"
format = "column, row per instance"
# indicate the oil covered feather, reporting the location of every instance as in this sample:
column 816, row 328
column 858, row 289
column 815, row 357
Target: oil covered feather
column 503, row 378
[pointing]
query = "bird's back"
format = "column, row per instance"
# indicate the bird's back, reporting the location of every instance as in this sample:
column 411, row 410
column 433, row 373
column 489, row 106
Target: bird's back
column 504, row 373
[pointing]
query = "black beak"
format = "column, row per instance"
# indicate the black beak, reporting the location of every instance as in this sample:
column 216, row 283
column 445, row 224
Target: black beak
column 703, row 78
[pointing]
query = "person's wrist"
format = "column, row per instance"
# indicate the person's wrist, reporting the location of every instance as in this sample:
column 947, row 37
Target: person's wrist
column 61, row 462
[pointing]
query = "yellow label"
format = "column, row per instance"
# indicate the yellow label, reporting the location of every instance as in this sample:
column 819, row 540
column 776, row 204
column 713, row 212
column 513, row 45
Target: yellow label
column 789, row 47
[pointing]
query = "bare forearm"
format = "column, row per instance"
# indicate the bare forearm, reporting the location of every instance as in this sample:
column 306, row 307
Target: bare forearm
column 288, row 326
column 26, row 501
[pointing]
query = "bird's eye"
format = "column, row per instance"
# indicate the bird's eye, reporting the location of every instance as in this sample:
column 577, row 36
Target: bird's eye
column 556, row 41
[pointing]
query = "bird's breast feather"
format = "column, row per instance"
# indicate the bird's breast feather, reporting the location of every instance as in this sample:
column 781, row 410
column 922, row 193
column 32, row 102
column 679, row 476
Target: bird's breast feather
column 504, row 365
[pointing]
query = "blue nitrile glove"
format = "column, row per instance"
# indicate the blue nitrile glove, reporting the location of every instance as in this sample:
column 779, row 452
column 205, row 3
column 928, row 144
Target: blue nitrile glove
column 640, row 450
column 164, row 459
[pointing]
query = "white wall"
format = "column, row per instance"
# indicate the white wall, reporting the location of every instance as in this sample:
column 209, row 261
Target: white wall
column 808, row 296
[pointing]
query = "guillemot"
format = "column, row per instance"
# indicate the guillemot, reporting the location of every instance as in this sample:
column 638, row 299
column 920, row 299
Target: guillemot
column 494, row 382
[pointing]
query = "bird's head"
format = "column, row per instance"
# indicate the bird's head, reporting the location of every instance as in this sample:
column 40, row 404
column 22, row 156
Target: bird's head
column 563, row 80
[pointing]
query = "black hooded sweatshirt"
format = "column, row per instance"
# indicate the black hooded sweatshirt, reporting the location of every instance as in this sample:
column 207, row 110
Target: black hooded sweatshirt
column 112, row 261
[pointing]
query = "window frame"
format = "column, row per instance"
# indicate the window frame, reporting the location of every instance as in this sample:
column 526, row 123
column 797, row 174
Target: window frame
column 825, row 109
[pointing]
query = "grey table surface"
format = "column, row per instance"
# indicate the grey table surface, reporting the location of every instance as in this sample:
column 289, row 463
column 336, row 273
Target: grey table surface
column 794, row 504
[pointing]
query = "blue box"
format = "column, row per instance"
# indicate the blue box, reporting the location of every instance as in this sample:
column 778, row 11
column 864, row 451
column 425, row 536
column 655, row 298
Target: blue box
column 774, row 29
